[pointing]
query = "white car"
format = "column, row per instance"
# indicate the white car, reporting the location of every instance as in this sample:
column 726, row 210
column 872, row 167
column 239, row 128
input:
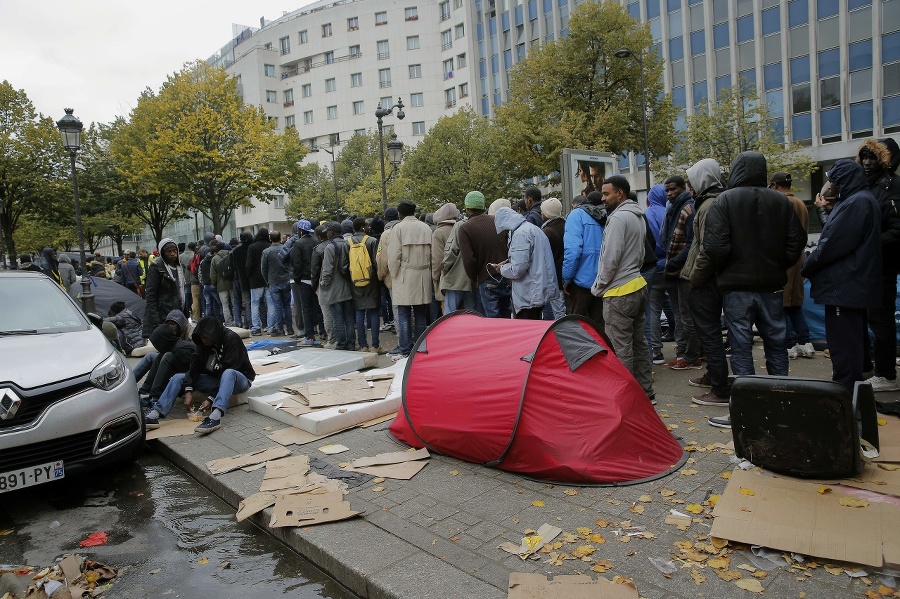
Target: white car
column 68, row 401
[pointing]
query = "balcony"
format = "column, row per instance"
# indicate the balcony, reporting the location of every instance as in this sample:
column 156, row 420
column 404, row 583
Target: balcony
column 353, row 28
column 445, row 16
column 413, row 18
column 451, row 103
column 446, row 45
column 384, row 55
column 384, row 84
column 299, row 69
column 289, row 103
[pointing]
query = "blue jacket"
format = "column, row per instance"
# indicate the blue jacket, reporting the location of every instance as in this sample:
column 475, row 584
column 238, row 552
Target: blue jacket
column 530, row 268
column 581, row 245
column 656, row 209
column 845, row 267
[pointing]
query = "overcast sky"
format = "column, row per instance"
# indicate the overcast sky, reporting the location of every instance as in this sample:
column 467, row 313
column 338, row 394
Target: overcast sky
column 96, row 56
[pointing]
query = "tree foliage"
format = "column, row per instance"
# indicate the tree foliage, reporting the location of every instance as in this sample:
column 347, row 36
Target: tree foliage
column 197, row 144
column 737, row 122
column 575, row 93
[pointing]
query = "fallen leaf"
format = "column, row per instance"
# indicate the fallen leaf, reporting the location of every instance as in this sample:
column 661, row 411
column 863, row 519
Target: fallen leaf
column 667, row 492
column 637, row 509
column 885, row 590
column 717, row 542
column 747, row 567
column 698, row 578
column 378, row 480
column 645, row 499
column 728, row 575
column 719, row 563
column 746, row 491
column 688, row 472
column 570, row 492
column 694, row 556
column 882, row 422
column 602, row 523
column 684, row 544
column 378, row 489
column 870, row 594
column 853, row 502
column 623, row 539
column 584, row 550
column 537, row 503
column 597, row 538
column 834, row 570
column 454, row 473
column 584, row 531
column 694, row 508
column 726, row 475
column 889, row 467
column 750, row 584
column 713, row 499
column 759, row 574
column 203, row 560
column 688, row 421
column 602, row 566
column 823, row 489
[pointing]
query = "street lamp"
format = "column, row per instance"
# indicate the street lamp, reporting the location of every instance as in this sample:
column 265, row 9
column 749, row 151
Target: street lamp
column 337, row 205
column 394, row 146
column 70, row 128
column 639, row 58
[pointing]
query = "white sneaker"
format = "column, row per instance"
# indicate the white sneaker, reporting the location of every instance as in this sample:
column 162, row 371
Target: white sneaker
column 793, row 352
column 879, row 383
column 806, row 350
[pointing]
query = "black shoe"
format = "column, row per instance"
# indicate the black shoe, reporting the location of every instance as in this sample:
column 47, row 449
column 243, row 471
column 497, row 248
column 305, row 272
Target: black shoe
column 720, row 421
column 151, row 424
column 207, row 426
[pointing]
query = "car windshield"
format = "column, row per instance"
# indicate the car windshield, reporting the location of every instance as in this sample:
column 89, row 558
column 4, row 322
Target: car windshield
column 36, row 305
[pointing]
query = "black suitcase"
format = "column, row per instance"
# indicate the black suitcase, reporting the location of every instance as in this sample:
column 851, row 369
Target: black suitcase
column 802, row 427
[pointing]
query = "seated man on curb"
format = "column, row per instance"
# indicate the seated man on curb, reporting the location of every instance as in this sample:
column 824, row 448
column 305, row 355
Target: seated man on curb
column 174, row 353
column 221, row 368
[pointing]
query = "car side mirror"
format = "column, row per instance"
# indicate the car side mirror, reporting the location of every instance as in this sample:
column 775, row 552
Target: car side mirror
column 96, row 320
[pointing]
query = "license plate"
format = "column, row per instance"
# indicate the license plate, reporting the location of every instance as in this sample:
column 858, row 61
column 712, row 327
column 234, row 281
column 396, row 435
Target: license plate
column 33, row 475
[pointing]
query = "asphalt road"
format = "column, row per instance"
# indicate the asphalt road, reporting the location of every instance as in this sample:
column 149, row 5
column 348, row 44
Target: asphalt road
column 168, row 535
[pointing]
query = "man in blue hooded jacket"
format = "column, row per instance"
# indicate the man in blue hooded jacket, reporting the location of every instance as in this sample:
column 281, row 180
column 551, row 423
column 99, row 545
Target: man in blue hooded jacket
column 581, row 254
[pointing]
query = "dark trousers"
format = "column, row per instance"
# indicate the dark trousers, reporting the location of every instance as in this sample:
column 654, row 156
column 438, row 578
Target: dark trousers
column 312, row 312
column 164, row 367
column 884, row 327
column 344, row 317
column 531, row 313
column 297, row 307
column 387, row 310
column 681, row 303
column 845, row 333
column 797, row 328
column 706, row 310
column 583, row 303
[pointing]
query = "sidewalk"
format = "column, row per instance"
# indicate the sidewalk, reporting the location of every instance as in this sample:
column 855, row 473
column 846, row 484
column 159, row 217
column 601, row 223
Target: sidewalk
column 436, row 535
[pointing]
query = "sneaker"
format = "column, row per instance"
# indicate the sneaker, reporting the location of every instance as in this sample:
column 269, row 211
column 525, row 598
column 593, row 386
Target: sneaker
column 308, row 343
column 151, row 424
column 720, row 421
column 682, row 364
column 298, row 334
column 398, row 357
column 806, row 350
column 879, row 383
column 378, row 350
column 364, row 348
column 207, row 426
column 652, row 399
column 793, row 352
column 255, row 332
column 658, row 358
column 701, row 381
column 710, row 399
column 388, row 326
column 290, row 333
column 826, row 352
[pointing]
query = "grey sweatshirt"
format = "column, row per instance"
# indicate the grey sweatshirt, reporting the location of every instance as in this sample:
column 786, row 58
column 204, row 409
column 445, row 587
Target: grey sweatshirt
column 622, row 251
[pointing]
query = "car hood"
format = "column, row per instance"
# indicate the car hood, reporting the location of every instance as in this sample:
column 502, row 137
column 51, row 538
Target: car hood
column 35, row 360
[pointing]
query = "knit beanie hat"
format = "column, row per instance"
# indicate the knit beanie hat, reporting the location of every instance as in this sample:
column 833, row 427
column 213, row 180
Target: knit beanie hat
column 551, row 207
column 498, row 204
column 475, row 200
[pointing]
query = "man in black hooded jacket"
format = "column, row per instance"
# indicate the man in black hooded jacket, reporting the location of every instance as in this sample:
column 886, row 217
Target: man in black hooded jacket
column 220, row 368
column 256, row 281
column 174, row 353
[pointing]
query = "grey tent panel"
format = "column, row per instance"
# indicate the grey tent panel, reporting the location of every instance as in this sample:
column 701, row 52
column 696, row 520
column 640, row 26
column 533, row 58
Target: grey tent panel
column 576, row 344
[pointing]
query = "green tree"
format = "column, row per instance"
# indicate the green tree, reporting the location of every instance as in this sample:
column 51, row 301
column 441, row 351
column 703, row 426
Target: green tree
column 575, row 93
column 198, row 143
column 737, row 122
column 457, row 156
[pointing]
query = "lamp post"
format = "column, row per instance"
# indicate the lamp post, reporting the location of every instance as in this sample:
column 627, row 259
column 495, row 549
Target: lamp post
column 70, row 128
column 394, row 146
column 337, row 204
column 639, row 59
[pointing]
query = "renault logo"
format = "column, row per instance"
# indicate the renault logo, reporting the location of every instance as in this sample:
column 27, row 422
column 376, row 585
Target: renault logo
column 9, row 404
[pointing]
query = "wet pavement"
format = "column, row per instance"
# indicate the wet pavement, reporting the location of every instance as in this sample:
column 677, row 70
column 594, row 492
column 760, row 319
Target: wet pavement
column 168, row 534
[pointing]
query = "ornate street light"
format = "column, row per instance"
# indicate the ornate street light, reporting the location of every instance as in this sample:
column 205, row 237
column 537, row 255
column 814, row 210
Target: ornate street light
column 70, row 128
column 639, row 59
column 395, row 147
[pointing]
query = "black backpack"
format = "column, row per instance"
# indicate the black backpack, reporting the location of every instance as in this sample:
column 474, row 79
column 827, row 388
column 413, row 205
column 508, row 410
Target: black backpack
column 225, row 267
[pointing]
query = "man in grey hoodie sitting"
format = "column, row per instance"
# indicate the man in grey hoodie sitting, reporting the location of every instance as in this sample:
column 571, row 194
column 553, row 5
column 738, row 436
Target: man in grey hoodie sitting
column 619, row 281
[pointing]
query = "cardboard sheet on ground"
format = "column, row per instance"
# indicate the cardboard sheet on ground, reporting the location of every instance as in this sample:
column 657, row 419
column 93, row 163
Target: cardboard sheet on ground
column 872, row 478
column 889, row 440
column 71, row 566
column 310, row 508
column 272, row 366
column 224, row 465
column 532, row 543
column 296, row 436
column 172, row 427
column 260, row 501
column 402, row 471
column 791, row 515
column 286, row 473
column 345, row 390
column 394, row 457
column 534, row 586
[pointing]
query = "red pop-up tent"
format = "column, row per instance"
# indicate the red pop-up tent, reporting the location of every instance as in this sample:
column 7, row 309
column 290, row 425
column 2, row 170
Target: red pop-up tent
column 545, row 399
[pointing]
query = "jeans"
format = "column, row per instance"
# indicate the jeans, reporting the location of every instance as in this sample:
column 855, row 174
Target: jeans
column 188, row 300
column 680, row 295
column 236, row 298
column 231, row 382
column 280, row 302
column 706, row 309
column 496, row 298
column 845, row 333
column 458, row 300
column 406, row 328
column 245, row 307
column 312, row 313
column 662, row 288
column 765, row 309
column 372, row 316
column 227, row 312
column 555, row 308
column 624, row 318
column 343, row 317
column 143, row 366
column 297, row 307
column 387, row 309
column 256, row 295
column 884, row 328
column 159, row 371
column 797, row 329
column 211, row 304
column 197, row 302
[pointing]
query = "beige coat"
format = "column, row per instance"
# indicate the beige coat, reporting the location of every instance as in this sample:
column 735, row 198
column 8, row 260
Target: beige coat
column 409, row 262
column 381, row 255
column 438, row 242
column 793, row 290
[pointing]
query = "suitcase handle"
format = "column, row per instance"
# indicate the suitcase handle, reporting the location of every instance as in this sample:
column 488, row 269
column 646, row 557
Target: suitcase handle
column 864, row 405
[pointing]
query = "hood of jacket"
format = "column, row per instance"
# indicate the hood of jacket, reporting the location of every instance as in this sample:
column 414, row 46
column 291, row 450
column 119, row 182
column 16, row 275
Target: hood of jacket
column 657, row 195
column 47, row 258
column 448, row 211
column 178, row 317
column 65, row 258
column 879, row 150
column 208, row 326
column 507, row 219
column 629, row 206
column 847, row 177
column 164, row 242
column 262, row 235
column 598, row 213
column 748, row 170
column 705, row 175
column 246, row 237
column 894, row 149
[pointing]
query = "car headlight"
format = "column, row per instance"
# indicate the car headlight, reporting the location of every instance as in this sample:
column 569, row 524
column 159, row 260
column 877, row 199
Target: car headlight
column 110, row 373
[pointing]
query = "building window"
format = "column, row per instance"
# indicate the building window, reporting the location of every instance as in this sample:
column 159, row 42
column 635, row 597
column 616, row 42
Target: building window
column 386, row 102
column 411, row 13
column 356, row 80
column 359, row 132
column 326, row 30
column 460, row 60
column 358, row 107
column 827, row 8
column 745, row 29
column 830, row 92
column 448, row 68
column 334, row 139
column 444, row 8
column 801, row 127
column 269, row 70
column 384, row 51
column 458, row 3
column 273, row 120
column 352, row 23
column 384, row 78
column 355, row 52
column 460, row 31
column 306, row 90
column 289, row 121
column 698, row 43
column 450, row 97
column 417, row 99
column 288, row 97
column 830, row 125
column 464, row 90
column 388, row 130
column 772, row 76
column 800, row 70
column 381, row 18
column 285, row 45
column 308, row 117
column 332, row 112
column 720, row 35
column 279, row 201
column 415, row 71
column 271, row 96
column 302, row 37
column 419, row 128
column 330, row 85
column 798, row 13
column 676, row 49
column 446, row 39
column 771, row 21
column 329, row 57
column 412, row 42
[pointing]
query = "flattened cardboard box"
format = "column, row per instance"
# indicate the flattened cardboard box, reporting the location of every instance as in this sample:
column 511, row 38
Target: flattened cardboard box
column 889, row 440
column 533, row 586
column 791, row 515
column 308, row 509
